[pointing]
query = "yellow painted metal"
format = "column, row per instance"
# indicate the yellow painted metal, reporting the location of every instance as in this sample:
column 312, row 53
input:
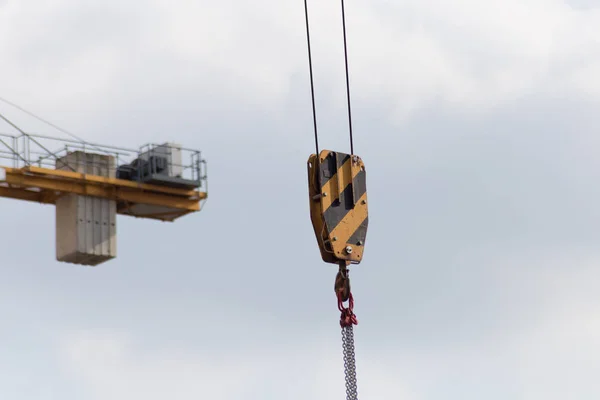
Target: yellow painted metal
column 45, row 185
column 338, row 205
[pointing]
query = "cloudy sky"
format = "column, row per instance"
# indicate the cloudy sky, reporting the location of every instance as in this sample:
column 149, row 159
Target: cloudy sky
column 478, row 123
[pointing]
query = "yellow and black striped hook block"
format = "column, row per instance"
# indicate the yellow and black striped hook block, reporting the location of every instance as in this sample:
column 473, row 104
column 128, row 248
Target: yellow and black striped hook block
column 337, row 188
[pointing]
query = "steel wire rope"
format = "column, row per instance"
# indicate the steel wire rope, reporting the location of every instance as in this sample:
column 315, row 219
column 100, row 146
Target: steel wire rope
column 312, row 84
column 72, row 135
column 347, row 78
column 311, row 74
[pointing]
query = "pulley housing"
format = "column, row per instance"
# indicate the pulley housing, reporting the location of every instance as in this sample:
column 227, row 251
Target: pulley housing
column 338, row 205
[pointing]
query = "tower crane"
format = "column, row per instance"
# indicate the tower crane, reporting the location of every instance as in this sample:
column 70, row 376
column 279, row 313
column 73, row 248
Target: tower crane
column 337, row 192
column 89, row 184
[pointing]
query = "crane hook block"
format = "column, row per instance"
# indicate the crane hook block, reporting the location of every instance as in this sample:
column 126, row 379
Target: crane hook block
column 337, row 189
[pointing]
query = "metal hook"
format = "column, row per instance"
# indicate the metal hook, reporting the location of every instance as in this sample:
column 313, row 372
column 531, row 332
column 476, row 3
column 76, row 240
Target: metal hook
column 342, row 282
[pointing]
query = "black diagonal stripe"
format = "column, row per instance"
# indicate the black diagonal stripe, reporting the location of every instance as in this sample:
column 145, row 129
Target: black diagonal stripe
column 329, row 167
column 342, row 158
column 360, row 234
column 360, row 185
column 338, row 210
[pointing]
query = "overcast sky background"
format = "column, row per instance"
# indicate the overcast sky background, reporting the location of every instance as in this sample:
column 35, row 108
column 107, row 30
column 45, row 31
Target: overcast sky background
column 477, row 120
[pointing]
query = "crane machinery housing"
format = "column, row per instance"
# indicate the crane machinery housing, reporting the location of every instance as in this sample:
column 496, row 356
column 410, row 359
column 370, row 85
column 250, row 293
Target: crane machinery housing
column 90, row 184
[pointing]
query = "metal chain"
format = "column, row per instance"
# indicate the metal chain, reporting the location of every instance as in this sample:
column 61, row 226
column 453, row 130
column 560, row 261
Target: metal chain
column 347, row 321
column 349, row 362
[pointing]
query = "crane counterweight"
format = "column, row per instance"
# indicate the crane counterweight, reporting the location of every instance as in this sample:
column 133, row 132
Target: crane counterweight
column 86, row 226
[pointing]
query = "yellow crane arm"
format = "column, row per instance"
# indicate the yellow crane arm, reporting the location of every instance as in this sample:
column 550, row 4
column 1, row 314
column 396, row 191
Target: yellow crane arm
column 44, row 185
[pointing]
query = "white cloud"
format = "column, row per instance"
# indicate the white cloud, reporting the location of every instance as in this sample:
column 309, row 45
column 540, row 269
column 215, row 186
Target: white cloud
column 80, row 63
column 467, row 55
column 472, row 56
column 554, row 355
column 111, row 366
column 110, row 369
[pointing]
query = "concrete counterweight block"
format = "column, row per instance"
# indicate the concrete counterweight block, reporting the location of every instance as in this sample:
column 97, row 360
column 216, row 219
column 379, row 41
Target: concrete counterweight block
column 86, row 227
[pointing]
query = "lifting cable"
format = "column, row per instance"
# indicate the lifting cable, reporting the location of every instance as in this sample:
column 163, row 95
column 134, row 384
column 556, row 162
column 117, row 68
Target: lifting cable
column 347, row 79
column 312, row 86
column 58, row 128
column 27, row 162
column 342, row 282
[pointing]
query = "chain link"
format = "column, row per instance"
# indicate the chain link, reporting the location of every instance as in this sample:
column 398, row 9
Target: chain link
column 349, row 362
column 347, row 322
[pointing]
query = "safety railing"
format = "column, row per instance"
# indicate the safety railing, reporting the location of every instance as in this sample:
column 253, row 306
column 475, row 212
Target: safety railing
column 25, row 150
